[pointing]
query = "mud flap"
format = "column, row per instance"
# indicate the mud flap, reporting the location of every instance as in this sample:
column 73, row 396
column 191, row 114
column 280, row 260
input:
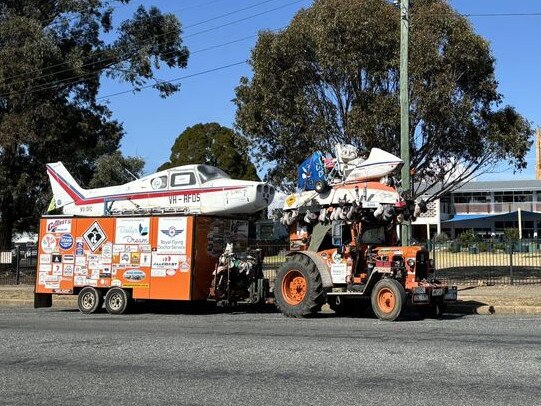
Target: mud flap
column 42, row 300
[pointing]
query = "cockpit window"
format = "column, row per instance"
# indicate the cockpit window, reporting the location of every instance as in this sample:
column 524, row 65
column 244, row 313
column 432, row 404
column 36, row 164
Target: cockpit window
column 182, row 179
column 208, row 173
column 159, row 183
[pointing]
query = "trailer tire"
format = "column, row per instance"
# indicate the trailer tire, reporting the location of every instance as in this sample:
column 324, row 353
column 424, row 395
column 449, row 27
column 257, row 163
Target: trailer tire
column 298, row 287
column 89, row 300
column 388, row 299
column 117, row 301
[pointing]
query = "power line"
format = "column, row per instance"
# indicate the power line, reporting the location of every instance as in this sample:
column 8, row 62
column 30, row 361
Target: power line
column 503, row 15
column 74, row 79
column 173, row 80
column 153, row 38
column 52, row 85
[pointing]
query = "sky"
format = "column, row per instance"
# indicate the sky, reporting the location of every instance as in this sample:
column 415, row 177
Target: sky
column 219, row 33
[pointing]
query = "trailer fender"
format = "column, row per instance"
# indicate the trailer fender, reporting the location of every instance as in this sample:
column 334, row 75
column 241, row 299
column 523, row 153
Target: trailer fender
column 320, row 265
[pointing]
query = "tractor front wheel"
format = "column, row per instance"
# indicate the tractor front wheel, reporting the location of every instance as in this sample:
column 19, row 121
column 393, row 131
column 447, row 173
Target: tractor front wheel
column 299, row 290
column 388, row 299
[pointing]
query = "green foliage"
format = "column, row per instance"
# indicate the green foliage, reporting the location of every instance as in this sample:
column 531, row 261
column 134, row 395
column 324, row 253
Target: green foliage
column 214, row 145
column 52, row 56
column 441, row 238
column 333, row 76
column 511, row 234
column 468, row 237
column 115, row 169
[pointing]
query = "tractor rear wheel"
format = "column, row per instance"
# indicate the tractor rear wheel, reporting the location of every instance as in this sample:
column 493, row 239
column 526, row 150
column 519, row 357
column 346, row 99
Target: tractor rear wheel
column 298, row 287
column 388, row 299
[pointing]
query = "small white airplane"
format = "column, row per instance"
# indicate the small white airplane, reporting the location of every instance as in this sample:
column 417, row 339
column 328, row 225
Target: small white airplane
column 193, row 189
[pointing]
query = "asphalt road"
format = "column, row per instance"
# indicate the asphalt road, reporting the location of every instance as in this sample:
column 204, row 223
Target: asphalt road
column 54, row 356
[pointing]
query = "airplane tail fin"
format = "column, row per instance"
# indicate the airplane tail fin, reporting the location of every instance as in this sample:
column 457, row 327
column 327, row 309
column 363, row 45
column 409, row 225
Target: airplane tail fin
column 65, row 188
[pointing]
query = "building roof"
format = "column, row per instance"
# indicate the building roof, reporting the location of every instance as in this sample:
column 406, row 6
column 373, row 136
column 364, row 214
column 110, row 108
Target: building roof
column 499, row 186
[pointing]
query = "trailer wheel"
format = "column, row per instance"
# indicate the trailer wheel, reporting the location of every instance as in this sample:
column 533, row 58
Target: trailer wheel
column 89, row 300
column 299, row 289
column 388, row 299
column 117, row 301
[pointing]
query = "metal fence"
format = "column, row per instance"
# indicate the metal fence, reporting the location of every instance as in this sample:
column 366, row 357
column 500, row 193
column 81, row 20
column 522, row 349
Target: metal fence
column 487, row 262
column 22, row 269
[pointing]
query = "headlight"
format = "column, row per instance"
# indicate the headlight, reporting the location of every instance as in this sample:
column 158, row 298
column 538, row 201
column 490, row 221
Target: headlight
column 411, row 262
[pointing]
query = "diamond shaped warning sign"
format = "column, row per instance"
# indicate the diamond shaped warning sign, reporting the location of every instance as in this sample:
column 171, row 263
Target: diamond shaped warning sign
column 94, row 236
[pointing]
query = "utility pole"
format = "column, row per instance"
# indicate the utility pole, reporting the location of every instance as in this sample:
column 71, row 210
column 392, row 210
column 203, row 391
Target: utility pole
column 405, row 229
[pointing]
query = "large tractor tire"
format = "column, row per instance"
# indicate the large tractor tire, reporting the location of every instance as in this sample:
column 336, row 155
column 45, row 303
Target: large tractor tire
column 298, row 287
column 388, row 299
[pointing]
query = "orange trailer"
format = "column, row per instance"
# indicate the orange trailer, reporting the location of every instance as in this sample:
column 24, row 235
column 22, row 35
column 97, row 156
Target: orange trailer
column 115, row 259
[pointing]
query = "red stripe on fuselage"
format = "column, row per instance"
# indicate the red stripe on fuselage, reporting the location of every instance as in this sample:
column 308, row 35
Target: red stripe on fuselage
column 133, row 196
column 154, row 195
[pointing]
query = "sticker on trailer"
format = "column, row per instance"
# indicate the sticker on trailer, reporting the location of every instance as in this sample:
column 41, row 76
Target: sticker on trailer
column 57, row 259
column 79, row 280
column 52, row 285
column 57, row 269
column 134, row 275
column 145, row 248
column 117, row 248
column 45, row 268
column 105, row 272
column 171, row 272
column 132, row 231
column 44, row 258
column 59, row 226
column 146, row 259
column 41, row 278
column 116, row 282
column 79, row 270
column 48, row 243
column 339, row 273
column 135, row 258
column 80, row 261
column 94, row 236
column 107, row 251
column 158, row 273
column 68, row 259
column 91, row 282
column 68, row 270
column 172, row 235
column 125, row 258
column 95, row 273
column 66, row 241
column 165, row 261
column 184, row 266
column 79, row 247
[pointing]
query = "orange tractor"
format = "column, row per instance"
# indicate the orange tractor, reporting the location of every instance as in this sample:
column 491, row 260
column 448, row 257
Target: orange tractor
column 354, row 265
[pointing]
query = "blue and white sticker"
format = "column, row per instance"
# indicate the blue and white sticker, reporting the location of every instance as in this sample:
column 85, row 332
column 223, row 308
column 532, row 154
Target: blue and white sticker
column 66, row 241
